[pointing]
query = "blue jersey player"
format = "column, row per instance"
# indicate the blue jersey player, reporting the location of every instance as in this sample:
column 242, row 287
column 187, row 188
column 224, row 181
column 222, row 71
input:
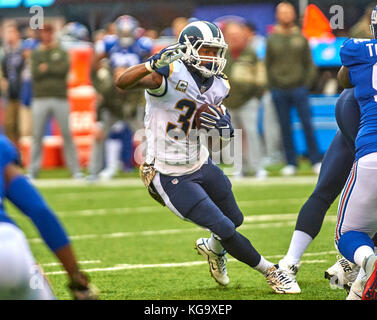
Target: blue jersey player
column 335, row 169
column 20, row 277
column 357, row 218
column 122, row 50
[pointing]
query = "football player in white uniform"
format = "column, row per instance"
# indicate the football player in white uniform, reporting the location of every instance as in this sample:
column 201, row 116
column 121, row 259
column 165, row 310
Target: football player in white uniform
column 178, row 171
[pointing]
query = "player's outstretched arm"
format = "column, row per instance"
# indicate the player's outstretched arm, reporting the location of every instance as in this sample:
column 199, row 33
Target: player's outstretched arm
column 138, row 77
column 28, row 200
column 144, row 75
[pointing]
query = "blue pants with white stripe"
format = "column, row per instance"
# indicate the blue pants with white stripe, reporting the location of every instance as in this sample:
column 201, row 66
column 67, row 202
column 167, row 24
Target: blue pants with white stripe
column 205, row 198
column 336, row 166
column 207, row 187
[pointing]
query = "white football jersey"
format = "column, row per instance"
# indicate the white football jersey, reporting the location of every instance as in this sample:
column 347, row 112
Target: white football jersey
column 170, row 113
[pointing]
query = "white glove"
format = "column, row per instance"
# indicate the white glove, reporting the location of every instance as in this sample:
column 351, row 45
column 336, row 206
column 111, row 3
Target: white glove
column 165, row 57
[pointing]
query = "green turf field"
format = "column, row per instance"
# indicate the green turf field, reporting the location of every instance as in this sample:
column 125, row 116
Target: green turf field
column 133, row 248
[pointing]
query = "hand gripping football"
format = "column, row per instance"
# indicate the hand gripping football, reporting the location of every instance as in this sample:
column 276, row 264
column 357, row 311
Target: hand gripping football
column 207, row 108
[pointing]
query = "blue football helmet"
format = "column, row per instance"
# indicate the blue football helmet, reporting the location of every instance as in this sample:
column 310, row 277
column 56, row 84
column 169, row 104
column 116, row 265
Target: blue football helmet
column 127, row 29
column 200, row 34
column 74, row 32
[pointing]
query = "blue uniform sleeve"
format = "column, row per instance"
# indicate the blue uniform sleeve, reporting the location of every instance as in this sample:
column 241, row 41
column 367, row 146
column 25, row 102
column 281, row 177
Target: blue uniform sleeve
column 165, row 71
column 28, row 200
column 354, row 52
column 144, row 47
column 8, row 152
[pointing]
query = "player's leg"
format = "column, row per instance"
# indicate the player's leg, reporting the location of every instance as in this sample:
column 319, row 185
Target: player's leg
column 357, row 221
column 238, row 245
column 300, row 98
column 271, row 131
column 40, row 113
column 97, row 162
column 282, row 102
column 183, row 195
column 20, row 277
column 113, row 149
column 335, row 169
column 60, row 108
column 347, row 114
column 200, row 209
column 254, row 149
column 219, row 188
column 336, row 165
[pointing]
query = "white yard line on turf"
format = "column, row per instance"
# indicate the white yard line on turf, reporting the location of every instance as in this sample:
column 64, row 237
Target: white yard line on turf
column 135, row 182
column 53, row 264
column 119, row 267
column 163, row 232
column 105, row 193
column 101, row 212
column 290, row 217
column 151, row 209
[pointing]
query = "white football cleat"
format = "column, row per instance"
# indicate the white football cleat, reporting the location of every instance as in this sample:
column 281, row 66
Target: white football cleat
column 370, row 279
column 356, row 290
column 342, row 274
column 217, row 263
column 107, row 173
column 281, row 282
column 291, row 269
column 288, row 170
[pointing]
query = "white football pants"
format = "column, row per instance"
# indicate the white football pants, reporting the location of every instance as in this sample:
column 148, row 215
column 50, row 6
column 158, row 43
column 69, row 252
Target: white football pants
column 20, row 277
column 357, row 209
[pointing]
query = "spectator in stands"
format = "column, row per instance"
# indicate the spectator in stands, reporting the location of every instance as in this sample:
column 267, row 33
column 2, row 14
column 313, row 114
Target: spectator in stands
column 178, row 24
column 50, row 66
column 361, row 28
column 28, row 45
column 271, row 128
column 290, row 71
column 247, row 80
column 118, row 111
column 151, row 33
column 109, row 111
column 12, row 66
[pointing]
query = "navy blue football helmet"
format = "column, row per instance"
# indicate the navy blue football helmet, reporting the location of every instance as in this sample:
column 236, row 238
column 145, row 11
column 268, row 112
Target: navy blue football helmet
column 200, row 34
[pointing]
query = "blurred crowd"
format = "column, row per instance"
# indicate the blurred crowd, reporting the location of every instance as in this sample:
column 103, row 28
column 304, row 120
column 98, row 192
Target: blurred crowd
column 35, row 66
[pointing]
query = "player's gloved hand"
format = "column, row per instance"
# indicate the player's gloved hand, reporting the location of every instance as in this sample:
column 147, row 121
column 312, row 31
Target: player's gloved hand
column 165, row 57
column 216, row 119
column 81, row 289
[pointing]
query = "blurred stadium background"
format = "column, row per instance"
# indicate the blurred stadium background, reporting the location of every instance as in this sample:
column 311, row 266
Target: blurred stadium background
column 156, row 19
column 123, row 238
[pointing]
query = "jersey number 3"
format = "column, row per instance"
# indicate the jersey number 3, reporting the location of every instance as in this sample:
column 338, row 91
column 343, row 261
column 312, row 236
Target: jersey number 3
column 184, row 119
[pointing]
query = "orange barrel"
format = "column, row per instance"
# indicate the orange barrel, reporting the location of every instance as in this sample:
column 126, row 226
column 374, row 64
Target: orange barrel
column 52, row 152
column 80, row 66
column 82, row 100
